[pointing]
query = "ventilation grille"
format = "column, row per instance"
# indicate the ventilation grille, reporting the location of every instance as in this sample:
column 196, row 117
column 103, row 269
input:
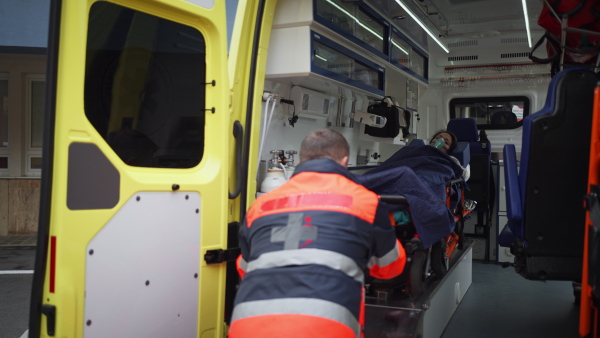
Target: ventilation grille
column 515, row 55
column 513, row 40
column 463, row 58
column 463, row 43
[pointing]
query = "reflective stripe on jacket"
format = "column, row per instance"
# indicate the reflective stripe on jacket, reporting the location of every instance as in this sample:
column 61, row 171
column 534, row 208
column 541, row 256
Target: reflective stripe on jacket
column 305, row 247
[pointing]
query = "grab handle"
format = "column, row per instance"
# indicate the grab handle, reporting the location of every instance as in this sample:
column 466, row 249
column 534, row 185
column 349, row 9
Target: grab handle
column 238, row 132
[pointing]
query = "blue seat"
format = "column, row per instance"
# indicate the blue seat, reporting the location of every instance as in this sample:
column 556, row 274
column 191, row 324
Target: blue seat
column 546, row 219
column 462, row 152
column 481, row 186
column 466, row 130
column 416, row 142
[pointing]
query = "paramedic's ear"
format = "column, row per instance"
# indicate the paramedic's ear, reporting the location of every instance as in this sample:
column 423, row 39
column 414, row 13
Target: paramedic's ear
column 344, row 162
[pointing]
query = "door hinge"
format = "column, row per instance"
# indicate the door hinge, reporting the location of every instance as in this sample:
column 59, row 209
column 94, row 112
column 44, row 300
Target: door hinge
column 50, row 312
column 219, row 255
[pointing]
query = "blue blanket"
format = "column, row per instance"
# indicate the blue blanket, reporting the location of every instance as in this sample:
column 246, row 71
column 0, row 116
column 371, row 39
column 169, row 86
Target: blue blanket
column 421, row 174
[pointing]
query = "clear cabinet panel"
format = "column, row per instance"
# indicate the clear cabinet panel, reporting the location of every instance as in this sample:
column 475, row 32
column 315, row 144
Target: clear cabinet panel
column 400, row 51
column 353, row 21
column 341, row 64
column 371, row 31
column 337, row 62
column 400, row 18
column 417, row 63
column 408, row 57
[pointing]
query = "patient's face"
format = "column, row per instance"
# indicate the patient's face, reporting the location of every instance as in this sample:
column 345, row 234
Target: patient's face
column 448, row 141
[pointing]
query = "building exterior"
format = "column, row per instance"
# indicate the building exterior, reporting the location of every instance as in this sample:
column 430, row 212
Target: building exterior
column 23, row 44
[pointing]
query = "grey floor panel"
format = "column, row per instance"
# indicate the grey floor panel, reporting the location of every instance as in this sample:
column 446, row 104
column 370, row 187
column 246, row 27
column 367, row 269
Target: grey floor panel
column 501, row 303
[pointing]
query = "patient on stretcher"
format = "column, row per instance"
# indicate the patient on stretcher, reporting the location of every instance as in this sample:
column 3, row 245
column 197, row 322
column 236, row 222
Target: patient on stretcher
column 446, row 141
column 421, row 174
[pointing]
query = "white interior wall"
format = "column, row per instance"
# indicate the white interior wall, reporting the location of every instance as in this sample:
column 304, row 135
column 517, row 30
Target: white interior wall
column 436, row 99
column 282, row 136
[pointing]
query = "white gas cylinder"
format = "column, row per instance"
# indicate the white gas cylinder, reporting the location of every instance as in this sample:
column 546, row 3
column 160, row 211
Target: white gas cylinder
column 274, row 178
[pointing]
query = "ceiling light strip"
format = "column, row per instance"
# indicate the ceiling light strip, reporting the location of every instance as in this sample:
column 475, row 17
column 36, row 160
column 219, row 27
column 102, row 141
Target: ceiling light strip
column 412, row 15
column 526, row 22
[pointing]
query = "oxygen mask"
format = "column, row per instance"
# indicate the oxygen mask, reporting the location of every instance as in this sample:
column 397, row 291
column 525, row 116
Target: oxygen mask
column 439, row 143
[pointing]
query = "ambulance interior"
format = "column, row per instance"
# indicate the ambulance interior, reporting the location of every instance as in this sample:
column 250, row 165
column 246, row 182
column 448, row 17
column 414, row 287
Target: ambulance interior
column 439, row 60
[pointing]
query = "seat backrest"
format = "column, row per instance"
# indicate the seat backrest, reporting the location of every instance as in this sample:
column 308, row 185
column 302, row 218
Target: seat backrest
column 466, row 130
column 480, row 183
column 504, row 117
column 554, row 165
column 462, row 152
column 481, row 186
column 416, row 142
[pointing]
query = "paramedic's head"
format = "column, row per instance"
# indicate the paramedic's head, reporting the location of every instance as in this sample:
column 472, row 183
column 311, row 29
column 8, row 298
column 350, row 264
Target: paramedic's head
column 450, row 140
column 325, row 143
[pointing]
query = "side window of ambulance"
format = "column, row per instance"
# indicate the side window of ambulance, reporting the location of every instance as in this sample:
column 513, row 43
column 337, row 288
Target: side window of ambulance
column 145, row 86
column 505, row 112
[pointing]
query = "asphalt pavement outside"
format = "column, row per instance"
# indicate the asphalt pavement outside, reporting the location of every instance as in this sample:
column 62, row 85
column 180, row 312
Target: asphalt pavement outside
column 17, row 257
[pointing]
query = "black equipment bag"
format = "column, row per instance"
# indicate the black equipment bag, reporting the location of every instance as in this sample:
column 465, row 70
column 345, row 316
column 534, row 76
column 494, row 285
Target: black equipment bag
column 386, row 108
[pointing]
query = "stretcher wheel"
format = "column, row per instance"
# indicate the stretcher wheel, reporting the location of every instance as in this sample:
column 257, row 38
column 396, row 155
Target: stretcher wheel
column 418, row 273
column 439, row 262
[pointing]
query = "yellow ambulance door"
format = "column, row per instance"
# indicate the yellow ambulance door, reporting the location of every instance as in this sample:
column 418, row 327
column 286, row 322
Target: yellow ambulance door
column 135, row 170
column 247, row 67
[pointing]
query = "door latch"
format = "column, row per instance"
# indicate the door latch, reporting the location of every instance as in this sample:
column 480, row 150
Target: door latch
column 219, row 255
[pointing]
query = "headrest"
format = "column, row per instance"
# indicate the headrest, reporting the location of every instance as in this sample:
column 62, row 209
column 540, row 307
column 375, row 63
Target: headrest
column 465, row 129
column 416, row 142
column 504, row 117
column 462, row 152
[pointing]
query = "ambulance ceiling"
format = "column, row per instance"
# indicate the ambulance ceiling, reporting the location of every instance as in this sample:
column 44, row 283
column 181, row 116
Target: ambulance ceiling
column 470, row 19
column 481, row 18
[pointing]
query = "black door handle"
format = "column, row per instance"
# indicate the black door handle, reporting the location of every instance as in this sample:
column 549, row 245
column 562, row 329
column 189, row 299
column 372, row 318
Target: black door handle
column 238, row 132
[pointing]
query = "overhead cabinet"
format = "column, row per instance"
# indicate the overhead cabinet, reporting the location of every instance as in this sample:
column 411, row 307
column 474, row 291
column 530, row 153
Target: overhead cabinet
column 302, row 52
column 408, row 56
column 348, row 42
column 357, row 23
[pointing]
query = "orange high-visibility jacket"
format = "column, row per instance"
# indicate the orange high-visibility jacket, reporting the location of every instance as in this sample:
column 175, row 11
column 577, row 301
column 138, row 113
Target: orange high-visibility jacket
column 305, row 248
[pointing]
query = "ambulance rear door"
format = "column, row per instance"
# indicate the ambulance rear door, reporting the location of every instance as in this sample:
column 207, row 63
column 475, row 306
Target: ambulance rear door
column 136, row 159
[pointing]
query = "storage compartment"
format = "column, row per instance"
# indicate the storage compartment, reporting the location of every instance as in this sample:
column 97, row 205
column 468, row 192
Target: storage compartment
column 300, row 52
column 407, row 56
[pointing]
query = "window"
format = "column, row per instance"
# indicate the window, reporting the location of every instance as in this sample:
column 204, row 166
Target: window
column 36, row 89
column 3, row 123
column 22, row 110
column 145, row 86
column 505, row 112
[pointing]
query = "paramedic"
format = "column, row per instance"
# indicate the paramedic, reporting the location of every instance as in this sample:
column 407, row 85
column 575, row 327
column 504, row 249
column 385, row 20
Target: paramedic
column 305, row 248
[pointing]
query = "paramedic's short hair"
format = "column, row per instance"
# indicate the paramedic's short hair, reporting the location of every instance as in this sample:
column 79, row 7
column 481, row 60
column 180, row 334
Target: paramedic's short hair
column 324, row 143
